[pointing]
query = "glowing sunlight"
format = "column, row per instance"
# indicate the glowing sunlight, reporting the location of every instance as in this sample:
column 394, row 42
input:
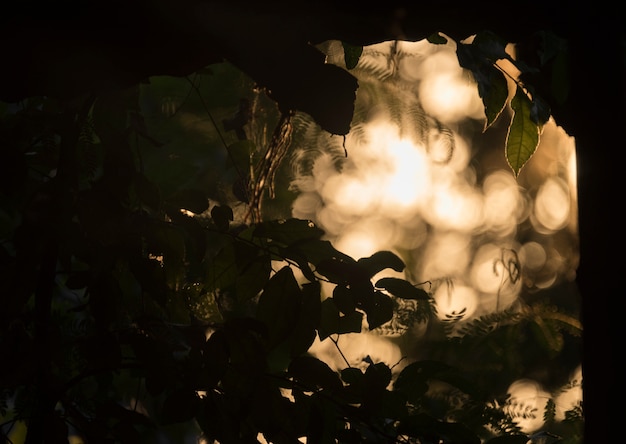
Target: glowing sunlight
column 419, row 181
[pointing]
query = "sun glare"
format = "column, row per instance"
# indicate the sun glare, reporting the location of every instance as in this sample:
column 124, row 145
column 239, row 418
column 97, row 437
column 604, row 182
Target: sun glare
column 411, row 183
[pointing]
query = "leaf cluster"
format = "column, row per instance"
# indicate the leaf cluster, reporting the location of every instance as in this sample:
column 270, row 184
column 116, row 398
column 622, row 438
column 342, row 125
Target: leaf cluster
column 133, row 310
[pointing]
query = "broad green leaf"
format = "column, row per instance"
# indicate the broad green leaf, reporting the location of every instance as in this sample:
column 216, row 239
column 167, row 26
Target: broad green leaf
column 401, row 288
column 523, row 135
column 352, row 54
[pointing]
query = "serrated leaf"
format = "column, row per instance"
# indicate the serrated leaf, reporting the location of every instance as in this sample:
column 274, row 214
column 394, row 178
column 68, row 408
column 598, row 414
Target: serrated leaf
column 352, row 54
column 523, row 135
column 401, row 288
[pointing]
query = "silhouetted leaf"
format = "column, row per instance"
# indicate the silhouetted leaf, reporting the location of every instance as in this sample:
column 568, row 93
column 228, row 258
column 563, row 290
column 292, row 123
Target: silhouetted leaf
column 402, row 289
column 222, row 215
column 318, row 250
column 380, row 261
column 352, row 54
column 279, row 305
column 523, row 135
column 378, row 308
column 288, row 231
column 308, row 319
column 333, row 323
column 437, row 39
column 314, row 374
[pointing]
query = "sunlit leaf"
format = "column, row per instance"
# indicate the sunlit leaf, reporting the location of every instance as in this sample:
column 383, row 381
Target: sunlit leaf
column 352, row 54
column 401, row 288
column 494, row 93
column 523, row 135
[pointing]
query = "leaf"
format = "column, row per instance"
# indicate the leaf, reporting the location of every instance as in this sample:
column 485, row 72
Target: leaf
column 313, row 373
column 523, row 135
column 222, row 215
column 379, row 309
column 413, row 379
column 333, row 323
column 352, row 54
column 279, row 305
column 288, row 231
column 402, row 289
column 308, row 319
column 437, row 39
column 494, row 93
column 380, row 261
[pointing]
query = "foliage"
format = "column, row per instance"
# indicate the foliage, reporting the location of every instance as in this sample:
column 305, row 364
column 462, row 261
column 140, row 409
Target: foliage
column 137, row 308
